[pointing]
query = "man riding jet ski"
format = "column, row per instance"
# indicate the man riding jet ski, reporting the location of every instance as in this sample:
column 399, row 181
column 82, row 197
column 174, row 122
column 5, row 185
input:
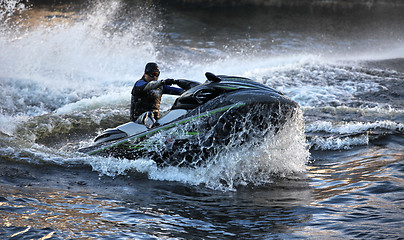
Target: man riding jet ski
column 223, row 111
column 146, row 96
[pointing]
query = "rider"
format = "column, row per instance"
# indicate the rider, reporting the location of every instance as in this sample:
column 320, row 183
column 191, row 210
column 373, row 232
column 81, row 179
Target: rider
column 146, row 95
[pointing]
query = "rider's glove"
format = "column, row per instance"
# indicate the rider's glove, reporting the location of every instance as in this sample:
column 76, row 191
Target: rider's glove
column 169, row 81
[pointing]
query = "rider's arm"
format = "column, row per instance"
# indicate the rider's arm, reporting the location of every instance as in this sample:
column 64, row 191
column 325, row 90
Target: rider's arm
column 142, row 85
column 153, row 85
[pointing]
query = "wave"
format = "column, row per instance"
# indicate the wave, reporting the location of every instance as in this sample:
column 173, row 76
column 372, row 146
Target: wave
column 323, row 135
column 89, row 58
column 281, row 155
column 68, row 74
column 52, row 63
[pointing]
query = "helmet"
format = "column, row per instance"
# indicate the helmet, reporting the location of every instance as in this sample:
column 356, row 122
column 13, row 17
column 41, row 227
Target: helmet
column 151, row 67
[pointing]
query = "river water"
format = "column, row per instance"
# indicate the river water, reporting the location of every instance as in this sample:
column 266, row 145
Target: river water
column 66, row 72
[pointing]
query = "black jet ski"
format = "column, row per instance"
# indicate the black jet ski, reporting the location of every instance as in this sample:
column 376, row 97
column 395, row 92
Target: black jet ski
column 224, row 111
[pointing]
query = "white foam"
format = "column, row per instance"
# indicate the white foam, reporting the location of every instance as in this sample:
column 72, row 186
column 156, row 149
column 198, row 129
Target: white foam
column 345, row 135
column 73, row 59
column 338, row 143
column 352, row 127
column 8, row 123
column 110, row 100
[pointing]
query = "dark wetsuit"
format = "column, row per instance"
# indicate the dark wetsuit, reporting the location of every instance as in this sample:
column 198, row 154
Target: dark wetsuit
column 146, row 96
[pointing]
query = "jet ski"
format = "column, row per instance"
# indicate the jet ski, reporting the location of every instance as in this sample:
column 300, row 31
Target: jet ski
column 223, row 112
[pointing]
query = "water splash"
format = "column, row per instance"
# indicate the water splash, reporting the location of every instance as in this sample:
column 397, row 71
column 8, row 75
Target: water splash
column 83, row 55
column 80, row 64
column 65, row 61
column 256, row 162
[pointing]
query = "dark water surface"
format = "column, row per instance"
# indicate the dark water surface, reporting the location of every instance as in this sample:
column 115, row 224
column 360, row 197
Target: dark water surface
column 66, row 71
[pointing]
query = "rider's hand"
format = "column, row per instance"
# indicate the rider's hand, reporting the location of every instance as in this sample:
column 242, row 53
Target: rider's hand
column 169, row 81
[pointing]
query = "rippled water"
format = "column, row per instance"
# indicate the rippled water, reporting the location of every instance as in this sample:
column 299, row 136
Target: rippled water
column 66, row 72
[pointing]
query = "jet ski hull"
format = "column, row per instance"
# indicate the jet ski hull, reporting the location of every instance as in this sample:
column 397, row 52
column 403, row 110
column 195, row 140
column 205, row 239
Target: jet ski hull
column 229, row 119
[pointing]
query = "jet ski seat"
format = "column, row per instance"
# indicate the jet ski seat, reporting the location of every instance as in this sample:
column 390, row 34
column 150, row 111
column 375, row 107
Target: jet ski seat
column 171, row 116
column 132, row 128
